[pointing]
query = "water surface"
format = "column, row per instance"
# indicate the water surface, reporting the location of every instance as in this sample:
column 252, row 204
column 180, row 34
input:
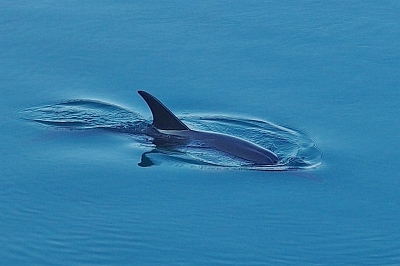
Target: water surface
column 78, row 197
column 295, row 149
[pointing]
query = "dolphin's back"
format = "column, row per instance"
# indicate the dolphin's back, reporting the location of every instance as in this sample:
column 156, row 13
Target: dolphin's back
column 167, row 123
column 234, row 146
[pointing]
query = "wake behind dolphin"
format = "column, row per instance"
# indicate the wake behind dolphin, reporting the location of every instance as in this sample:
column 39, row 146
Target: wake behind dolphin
column 196, row 140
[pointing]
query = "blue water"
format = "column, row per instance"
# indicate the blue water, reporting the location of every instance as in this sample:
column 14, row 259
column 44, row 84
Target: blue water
column 294, row 149
column 78, row 197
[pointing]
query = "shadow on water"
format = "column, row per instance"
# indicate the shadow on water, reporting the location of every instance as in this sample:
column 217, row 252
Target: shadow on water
column 295, row 149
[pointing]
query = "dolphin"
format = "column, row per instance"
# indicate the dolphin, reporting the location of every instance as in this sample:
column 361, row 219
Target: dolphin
column 174, row 131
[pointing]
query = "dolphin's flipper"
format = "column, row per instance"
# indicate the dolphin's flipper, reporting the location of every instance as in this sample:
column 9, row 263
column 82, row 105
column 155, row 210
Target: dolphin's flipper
column 163, row 118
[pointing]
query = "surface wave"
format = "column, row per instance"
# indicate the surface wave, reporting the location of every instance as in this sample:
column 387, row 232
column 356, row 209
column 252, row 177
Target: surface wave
column 295, row 149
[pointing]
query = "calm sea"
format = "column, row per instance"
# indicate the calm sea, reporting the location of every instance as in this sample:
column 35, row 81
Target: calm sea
column 329, row 69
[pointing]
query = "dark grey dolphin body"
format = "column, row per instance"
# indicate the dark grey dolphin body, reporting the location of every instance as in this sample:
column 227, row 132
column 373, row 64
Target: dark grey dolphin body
column 166, row 123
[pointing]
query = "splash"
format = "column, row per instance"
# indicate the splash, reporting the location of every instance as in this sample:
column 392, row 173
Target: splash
column 295, row 149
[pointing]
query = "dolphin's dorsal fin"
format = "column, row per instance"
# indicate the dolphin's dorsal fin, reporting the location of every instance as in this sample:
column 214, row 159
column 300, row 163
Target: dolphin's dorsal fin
column 163, row 118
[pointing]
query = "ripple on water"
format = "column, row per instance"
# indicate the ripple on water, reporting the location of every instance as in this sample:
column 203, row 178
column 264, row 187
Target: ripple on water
column 295, row 149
